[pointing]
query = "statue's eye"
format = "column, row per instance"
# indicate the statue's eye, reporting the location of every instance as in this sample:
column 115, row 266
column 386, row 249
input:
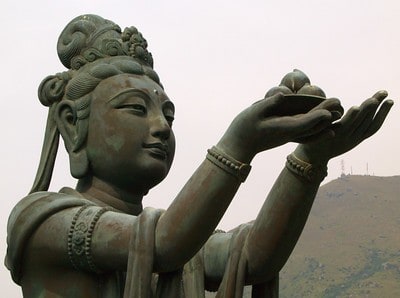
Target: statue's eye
column 131, row 103
column 169, row 116
column 136, row 108
column 170, row 119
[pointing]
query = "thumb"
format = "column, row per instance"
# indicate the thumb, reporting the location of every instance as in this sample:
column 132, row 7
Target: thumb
column 312, row 122
column 319, row 137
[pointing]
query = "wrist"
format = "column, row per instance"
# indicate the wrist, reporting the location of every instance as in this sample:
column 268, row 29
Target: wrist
column 311, row 156
column 228, row 164
column 240, row 152
column 307, row 171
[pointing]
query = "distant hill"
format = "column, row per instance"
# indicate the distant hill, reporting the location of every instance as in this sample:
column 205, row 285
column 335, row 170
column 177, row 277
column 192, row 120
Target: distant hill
column 350, row 246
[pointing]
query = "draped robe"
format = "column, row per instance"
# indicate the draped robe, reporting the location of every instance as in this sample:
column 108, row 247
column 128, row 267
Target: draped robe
column 139, row 281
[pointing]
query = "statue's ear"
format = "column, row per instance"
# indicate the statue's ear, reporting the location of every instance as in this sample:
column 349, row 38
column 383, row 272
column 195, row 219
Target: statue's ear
column 67, row 125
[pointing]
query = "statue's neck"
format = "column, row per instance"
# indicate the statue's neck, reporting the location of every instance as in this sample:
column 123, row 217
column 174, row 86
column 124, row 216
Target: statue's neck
column 98, row 191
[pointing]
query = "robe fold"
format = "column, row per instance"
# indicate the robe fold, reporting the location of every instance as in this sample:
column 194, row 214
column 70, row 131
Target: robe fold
column 139, row 281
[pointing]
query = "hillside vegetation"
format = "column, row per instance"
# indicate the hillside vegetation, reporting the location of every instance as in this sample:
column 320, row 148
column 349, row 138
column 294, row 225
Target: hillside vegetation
column 350, row 246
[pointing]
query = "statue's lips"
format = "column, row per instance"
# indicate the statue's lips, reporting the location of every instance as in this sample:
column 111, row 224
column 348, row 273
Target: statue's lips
column 157, row 150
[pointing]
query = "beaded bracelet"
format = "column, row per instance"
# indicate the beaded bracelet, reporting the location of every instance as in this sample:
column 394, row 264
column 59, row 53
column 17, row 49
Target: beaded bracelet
column 304, row 169
column 228, row 164
column 80, row 237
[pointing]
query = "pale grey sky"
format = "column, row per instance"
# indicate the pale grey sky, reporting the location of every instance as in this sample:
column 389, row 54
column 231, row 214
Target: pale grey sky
column 214, row 57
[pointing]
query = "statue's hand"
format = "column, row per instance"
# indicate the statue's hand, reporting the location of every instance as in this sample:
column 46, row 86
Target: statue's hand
column 270, row 123
column 358, row 124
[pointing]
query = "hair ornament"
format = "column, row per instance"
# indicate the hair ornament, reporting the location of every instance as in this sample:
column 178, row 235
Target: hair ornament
column 52, row 88
column 137, row 45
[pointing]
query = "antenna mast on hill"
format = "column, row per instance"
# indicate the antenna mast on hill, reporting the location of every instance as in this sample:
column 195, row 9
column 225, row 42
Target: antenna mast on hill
column 342, row 166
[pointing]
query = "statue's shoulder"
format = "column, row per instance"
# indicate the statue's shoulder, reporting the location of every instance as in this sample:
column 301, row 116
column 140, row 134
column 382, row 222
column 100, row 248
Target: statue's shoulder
column 37, row 207
column 27, row 215
column 36, row 197
column 39, row 204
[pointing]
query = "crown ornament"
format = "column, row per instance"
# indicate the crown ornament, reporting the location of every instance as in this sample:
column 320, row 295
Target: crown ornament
column 137, row 45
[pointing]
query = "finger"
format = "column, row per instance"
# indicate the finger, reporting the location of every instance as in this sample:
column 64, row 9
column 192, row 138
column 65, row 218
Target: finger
column 366, row 114
column 269, row 102
column 331, row 104
column 313, row 133
column 374, row 101
column 305, row 125
column 256, row 102
column 380, row 95
column 321, row 136
column 336, row 115
column 379, row 118
column 356, row 115
column 348, row 119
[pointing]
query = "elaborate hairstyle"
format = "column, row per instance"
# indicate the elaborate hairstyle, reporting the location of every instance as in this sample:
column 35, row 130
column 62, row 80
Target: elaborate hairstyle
column 93, row 49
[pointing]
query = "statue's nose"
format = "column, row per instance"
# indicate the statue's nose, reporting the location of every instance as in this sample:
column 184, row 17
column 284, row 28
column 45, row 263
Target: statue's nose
column 160, row 127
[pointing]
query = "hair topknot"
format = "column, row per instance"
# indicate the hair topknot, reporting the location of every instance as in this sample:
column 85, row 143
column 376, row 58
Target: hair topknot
column 87, row 46
column 90, row 37
column 79, row 35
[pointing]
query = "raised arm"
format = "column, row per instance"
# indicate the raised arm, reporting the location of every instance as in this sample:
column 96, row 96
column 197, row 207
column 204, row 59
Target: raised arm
column 200, row 205
column 282, row 217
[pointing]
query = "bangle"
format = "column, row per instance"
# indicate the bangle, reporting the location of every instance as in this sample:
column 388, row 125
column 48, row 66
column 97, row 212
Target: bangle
column 80, row 237
column 304, row 169
column 228, row 164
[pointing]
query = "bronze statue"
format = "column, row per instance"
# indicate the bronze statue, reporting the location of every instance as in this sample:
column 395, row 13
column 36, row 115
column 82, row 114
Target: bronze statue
column 116, row 122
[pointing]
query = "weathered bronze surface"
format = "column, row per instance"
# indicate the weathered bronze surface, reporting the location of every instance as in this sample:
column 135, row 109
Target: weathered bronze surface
column 116, row 122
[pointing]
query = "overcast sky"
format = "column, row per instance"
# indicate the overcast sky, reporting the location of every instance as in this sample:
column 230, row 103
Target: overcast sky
column 214, row 57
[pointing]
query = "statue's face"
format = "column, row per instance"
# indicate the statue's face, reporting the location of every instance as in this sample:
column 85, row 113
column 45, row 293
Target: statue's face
column 130, row 141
